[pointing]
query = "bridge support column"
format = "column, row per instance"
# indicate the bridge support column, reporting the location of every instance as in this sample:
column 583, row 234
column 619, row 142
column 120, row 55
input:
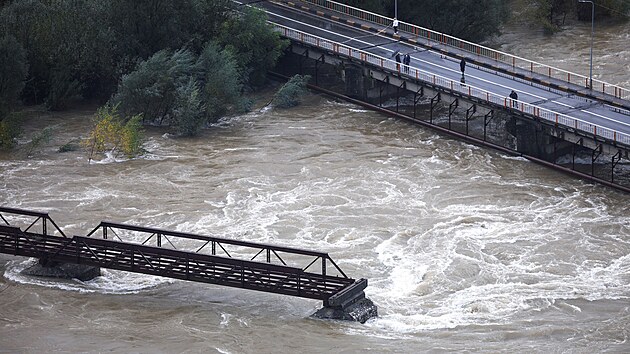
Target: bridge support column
column 355, row 81
column 52, row 269
column 536, row 139
column 350, row 304
column 451, row 109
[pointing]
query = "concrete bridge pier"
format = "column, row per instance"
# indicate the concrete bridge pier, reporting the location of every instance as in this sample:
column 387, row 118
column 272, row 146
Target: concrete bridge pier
column 349, row 304
column 53, row 269
column 360, row 84
column 536, row 139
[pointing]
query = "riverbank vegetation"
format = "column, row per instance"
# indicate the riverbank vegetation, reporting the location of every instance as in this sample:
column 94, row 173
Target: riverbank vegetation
column 184, row 64
column 181, row 64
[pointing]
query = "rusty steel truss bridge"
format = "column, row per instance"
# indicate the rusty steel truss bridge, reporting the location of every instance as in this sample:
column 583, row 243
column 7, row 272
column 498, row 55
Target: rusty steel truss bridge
column 183, row 256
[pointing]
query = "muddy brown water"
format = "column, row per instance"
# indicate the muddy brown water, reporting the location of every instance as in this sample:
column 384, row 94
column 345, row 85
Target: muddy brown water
column 465, row 249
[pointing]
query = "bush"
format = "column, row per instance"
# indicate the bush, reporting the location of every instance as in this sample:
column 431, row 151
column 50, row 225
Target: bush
column 10, row 130
column 182, row 91
column 220, row 81
column 151, row 89
column 189, row 113
column 111, row 134
column 289, row 94
column 39, row 139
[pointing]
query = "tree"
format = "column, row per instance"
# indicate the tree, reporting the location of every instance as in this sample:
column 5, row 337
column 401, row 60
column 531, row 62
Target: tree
column 256, row 47
column 143, row 27
column 220, row 81
column 68, row 44
column 13, row 73
column 10, row 130
column 473, row 20
column 152, row 88
column 548, row 14
column 290, row 93
column 604, row 8
column 189, row 112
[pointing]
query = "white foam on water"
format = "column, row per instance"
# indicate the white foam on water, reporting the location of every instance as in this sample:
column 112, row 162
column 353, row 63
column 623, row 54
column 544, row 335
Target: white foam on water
column 110, row 281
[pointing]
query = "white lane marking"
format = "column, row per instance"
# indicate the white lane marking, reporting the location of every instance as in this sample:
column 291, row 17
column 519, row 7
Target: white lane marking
column 449, row 69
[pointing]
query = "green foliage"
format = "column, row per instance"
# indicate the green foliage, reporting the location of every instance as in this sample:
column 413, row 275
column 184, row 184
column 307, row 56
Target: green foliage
column 547, row 14
column 65, row 40
column 111, row 134
column 189, row 113
column 604, row 8
column 256, row 48
column 13, row 72
column 220, row 80
column 132, row 136
column 145, row 27
column 152, row 88
column 63, row 89
column 290, row 93
column 10, row 130
column 83, row 47
column 473, row 20
column 39, row 139
column 182, row 90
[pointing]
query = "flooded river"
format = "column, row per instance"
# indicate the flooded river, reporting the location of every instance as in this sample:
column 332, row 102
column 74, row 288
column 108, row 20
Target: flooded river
column 465, row 248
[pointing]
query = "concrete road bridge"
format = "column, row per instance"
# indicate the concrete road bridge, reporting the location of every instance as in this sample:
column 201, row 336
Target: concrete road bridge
column 557, row 118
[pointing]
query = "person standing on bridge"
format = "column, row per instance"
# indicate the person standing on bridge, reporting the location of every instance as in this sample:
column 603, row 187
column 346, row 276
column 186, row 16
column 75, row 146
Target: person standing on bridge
column 514, row 98
column 407, row 61
column 398, row 62
column 462, row 66
column 395, row 25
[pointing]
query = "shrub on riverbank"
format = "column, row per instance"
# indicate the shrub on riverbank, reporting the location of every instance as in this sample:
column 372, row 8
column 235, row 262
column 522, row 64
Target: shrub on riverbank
column 112, row 133
column 290, row 94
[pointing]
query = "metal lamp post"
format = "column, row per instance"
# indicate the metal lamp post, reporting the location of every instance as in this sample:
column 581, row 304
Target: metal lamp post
column 590, row 80
column 395, row 8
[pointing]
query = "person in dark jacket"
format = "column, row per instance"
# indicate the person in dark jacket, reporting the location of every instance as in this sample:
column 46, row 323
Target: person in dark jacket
column 407, row 61
column 462, row 65
column 514, row 97
column 398, row 62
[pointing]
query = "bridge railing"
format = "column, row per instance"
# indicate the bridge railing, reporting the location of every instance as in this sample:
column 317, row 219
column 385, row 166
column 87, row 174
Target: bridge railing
column 453, row 85
column 42, row 218
column 476, row 49
column 219, row 246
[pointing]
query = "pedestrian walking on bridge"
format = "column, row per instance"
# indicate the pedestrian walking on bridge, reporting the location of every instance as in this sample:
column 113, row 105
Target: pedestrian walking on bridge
column 398, row 62
column 395, row 25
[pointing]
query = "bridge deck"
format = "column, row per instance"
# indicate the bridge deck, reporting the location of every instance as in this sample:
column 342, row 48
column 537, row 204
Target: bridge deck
column 593, row 115
column 178, row 264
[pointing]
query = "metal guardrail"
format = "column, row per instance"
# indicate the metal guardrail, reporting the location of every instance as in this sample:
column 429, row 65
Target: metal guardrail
column 476, row 49
column 454, row 85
